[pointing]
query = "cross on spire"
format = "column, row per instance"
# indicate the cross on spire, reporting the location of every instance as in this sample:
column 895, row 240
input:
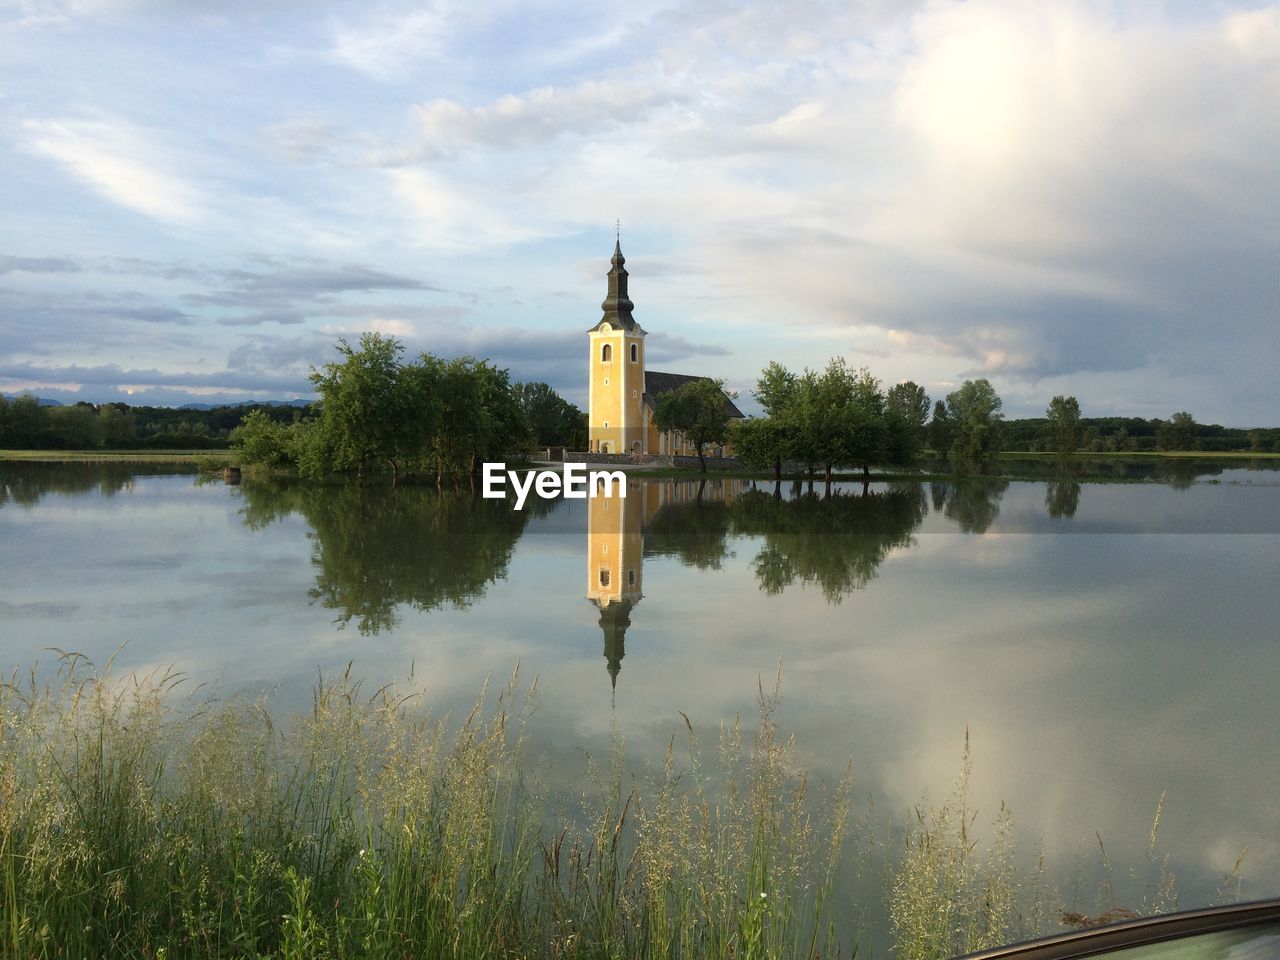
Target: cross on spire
column 617, row 230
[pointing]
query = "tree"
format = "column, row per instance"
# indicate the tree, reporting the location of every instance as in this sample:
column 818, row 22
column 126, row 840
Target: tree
column 1179, row 433
column 760, row 443
column 553, row 421
column 262, row 440
column 27, row 424
column 118, row 423
column 941, row 429
column 975, row 412
column 75, row 427
column 863, row 424
column 907, row 410
column 1064, row 425
column 363, row 415
column 776, row 389
column 698, row 410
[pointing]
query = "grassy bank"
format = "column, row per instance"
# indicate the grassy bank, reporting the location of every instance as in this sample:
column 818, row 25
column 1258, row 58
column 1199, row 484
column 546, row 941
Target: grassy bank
column 1141, row 455
column 196, row 457
column 366, row 828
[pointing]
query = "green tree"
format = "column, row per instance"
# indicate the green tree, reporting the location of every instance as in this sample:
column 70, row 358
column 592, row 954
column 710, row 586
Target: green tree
column 118, row 424
column 1179, row 433
column 364, row 416
column 770, row 440
column 28, row 424
column 699, row 410
column 1064, row 425
column 470, row 412
column 553, row 420
column 261, row 440
column 864, row 425
column 761, row 443
column 907, row 409
column 776, row 389
column 975, row 412
column 75, row 427
column 941, row 429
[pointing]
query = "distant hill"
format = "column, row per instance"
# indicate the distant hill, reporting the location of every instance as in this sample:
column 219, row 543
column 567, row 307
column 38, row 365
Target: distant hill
column 247, row 403
column 46, row 402
column 40, row 400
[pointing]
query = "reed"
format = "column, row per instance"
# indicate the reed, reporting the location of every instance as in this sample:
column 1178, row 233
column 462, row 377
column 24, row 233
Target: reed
column 133, row 826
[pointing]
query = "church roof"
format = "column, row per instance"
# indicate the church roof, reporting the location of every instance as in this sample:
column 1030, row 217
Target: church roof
column 656, row 383
column 617, row 306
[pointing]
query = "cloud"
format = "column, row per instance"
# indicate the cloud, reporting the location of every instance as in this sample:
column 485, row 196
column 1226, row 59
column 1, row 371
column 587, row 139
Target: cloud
column 385, row 45
column 37, row 265
column 286, row 283
column 120, row 163
column 113, row 375
column 592, row 107
column 667, row 348
column 303, row 139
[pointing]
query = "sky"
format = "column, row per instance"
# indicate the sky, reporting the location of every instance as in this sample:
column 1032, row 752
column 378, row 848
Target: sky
column 199, row 200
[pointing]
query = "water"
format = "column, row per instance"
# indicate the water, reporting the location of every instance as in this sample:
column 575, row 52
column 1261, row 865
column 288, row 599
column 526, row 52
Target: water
column 1102, row 643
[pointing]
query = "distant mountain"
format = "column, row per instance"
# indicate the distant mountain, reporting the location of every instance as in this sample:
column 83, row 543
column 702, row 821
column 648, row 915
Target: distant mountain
column 46, row 402
column 247, row 403
column 40, row 400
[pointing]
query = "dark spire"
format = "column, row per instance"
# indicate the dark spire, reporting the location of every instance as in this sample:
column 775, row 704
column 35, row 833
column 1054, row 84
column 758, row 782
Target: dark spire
column 617, row 307
column 614, row 620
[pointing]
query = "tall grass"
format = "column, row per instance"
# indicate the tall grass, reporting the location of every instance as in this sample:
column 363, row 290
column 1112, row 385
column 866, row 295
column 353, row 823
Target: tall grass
column 131, row 827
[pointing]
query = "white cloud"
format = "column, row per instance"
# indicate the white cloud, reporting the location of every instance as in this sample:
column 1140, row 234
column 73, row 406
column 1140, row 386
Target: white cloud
column 540, row 115
column 387, row 45
column 119, row 162
column 455, row 215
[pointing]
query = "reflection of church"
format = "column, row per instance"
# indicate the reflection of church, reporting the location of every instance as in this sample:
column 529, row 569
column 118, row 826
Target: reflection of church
column 615, row 549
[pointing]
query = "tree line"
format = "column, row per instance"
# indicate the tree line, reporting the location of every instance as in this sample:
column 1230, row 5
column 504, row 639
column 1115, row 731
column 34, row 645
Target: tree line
column 837, row 418
column 431, row 416
column 26, row 424
column 840, row 418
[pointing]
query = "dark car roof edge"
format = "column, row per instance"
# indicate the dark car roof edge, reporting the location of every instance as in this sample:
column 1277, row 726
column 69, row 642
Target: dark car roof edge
column 1134, row 933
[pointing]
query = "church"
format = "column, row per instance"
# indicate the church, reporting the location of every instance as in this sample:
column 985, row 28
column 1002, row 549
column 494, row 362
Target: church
column 621, row 391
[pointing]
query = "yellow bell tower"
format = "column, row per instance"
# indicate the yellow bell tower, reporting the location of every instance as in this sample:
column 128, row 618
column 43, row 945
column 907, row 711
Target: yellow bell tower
column 615, row 400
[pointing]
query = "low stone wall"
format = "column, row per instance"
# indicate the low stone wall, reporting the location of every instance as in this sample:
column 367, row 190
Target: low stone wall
column 713, row 463
column 622, row 459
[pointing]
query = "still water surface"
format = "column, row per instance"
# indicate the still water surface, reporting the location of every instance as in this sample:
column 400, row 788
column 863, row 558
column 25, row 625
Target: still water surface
column 1102, row 643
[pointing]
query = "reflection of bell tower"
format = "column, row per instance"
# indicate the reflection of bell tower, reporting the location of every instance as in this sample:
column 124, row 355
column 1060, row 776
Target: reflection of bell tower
column 615, row 553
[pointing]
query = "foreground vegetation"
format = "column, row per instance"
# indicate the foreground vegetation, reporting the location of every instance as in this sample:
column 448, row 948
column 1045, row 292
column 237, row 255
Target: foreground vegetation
column 130, row 828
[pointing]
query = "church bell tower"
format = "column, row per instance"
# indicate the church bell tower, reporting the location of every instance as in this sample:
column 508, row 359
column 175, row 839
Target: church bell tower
column 615, row 400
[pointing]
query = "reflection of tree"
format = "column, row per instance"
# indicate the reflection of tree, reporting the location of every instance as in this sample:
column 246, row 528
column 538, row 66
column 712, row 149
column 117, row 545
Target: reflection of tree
column 375, row 549
column 25, row 483
column 836, row 542
column 1062, row 498
column 693, row 532
column 1182, row 474
column 973, row 504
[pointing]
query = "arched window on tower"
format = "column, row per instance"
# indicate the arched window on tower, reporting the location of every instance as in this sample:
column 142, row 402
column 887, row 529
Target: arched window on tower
column 635, row 353
column 606, row 353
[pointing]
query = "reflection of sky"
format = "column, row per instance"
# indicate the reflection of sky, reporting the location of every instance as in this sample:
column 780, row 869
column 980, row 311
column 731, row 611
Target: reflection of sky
column 1094, row 672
